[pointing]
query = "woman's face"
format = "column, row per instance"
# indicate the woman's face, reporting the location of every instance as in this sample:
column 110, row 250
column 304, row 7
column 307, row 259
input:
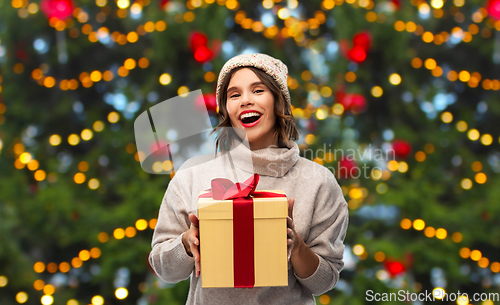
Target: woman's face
column 250, row 105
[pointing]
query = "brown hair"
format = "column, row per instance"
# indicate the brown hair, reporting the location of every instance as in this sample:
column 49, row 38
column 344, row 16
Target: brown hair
column 284, row 129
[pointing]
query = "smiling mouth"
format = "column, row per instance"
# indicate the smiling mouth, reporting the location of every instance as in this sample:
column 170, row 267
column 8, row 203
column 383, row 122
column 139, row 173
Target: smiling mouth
column 251, row 119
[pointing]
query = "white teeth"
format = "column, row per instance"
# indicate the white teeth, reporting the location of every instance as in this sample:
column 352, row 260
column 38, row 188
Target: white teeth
column 249, row 114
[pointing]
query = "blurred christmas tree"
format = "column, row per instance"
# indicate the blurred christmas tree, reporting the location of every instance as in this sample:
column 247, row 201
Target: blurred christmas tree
column 400, row 99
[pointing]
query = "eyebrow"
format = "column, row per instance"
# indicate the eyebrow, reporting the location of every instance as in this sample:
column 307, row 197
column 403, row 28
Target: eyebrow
column 251, row 85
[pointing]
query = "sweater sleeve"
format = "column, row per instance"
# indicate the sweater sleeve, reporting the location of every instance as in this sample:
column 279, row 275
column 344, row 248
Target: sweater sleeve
column 168, row 257
column 326, row 237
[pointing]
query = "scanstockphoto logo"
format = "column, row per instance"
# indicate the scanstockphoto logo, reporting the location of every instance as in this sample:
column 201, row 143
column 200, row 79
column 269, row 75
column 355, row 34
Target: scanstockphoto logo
column 177, row 134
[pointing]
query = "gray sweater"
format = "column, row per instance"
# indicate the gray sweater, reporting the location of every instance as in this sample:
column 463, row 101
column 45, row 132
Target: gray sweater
column 320, row 215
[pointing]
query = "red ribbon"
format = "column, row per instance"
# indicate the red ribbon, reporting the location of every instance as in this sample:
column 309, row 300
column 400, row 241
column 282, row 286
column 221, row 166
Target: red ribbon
column 243, row 225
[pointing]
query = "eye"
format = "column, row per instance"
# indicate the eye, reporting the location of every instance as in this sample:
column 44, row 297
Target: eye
column 234, row 95
column 259, row 90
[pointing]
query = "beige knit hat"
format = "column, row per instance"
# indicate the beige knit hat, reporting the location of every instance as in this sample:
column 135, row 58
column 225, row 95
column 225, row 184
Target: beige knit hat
column 272, row 66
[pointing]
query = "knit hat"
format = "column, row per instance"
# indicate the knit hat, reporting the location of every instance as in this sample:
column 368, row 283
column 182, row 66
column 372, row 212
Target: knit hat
column 272, row 66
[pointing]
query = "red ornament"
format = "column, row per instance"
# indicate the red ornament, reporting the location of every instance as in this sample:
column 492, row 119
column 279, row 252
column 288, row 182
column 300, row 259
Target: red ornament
column 206, row 102
column 401, row 148
column 356, row 103
column 163, row 4
column 363, row 39
column 493, row 7
column 396, row 3
column 347, row 169
column 197, row 39
column 203, row 54
column 199, row 46
column 361, row 42
column 357, row 54
column 394, row 267
column 60, row 9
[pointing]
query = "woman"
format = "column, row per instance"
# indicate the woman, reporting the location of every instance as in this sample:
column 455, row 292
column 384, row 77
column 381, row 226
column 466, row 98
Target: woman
column 252, row 94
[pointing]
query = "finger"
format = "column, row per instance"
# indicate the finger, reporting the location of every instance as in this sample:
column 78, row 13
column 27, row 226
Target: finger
column 194, row 220
column 291, row 201
column 290, row 224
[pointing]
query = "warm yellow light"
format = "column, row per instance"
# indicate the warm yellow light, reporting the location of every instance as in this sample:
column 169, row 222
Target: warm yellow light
column 130, row 232
column 49, row 289
column 86, row 134
column 437, row 3
column 84, row 255
column 338, row 109
column 40, row 175
column 121, row 293
column 430, row 63
column 466, row 184
column 73, row 139
column 123, row 3
column 405, row 224
column 464, row 76
column 310, row 139
column 473, row 134
column 483, row 262
column 96, row 76
column 457, row 237
column 33, row 165
column 447, row 117
column 76, row 262
column 403, row 167
column 392, row 165
column 47, row 300
column 79, row 178
column 103, row 237
column 480, row 178
column 25, row 157
column 39, row 267
column 395, row 79
column 183, row 90
column 441, row 233
column 113, row 117
column 495, row 267
column 358, row 249
column 95, row 252
column 21, row 297
column 430, row 232
column 38, row 284
column 72, row 302
column 97, row 300
column 141, row 224
column 119, row 233
column 462, row 126
column 475, row 255
column 465, row 252
column 268, row 4
column 55, row 140
column 486, row 139
column 379, row 256
column 152, row 223
column 130, row 64
column 283, row 13
column 165, row 79
column 94, row 184
column 418, row 224
column 98, row 126
column 321, row 114
column 377, row 91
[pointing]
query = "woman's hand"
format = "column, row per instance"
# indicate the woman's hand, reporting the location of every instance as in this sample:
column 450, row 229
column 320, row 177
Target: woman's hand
column 294, row 240
column 191, row 242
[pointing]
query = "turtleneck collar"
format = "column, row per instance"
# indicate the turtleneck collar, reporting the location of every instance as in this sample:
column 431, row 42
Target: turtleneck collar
column 271, row 161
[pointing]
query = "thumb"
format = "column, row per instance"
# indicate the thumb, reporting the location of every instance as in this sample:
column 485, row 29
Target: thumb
column 194, row 220
column 291, row 201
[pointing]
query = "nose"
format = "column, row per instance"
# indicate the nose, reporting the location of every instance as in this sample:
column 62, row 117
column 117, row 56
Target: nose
column 246, row 99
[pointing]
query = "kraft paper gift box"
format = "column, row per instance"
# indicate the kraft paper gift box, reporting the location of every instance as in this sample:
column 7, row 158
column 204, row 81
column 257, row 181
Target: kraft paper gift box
column 243, row 235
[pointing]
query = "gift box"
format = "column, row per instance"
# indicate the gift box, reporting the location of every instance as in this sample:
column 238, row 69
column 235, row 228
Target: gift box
column 243, row 235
